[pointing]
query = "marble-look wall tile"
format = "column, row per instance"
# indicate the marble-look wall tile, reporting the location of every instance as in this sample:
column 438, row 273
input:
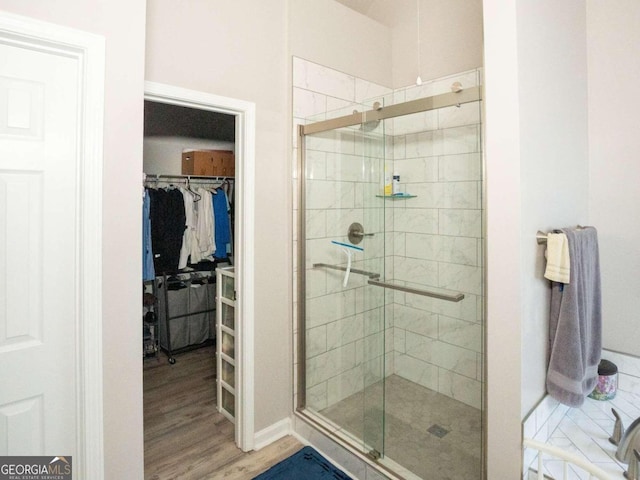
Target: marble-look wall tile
column 464, row 139
column 324, row 80
column 417, row 371
column 452, row 358
column 416, row 220
column 374, row 372
column 326, row 309
column 336, row 141
column 466, row 309
column 317, row 396
column 307, row 103
column 338, row 107
column 399, row 335
column 316, row 224
column 373, row 321
column 464, row 389
column 460, row 333
column 328, row 194
column 461, row 278
column 316, row 283
column 459, row 195
column 459, row 250
column 369, row 298
column 420, row 347
column 462, row 167
column 344, row 331
column 339, row 219
column 416, row 122
column 424, row 272
column 399, row 147
column 465, row 114
column 315, row 165
column 416, row 321
column 344, row 384
column 367, row 91
column 429, row 144
column 330, row 364
column 463, row 223
column 348, row 168
column 316, row 342
column 415, row 170
column 374, row 346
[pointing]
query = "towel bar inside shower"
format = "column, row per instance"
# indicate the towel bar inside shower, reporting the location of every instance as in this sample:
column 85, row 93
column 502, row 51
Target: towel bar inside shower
column 455, row 297
column 374, row 280
column 371, row 275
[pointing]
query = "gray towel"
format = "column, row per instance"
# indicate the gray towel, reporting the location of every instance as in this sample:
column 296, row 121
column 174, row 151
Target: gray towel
column 575, row 322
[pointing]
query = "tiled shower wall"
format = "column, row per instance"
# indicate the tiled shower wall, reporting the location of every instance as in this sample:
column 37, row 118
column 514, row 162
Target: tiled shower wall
column 345, row 339
column 437, row 243
column 433, row 240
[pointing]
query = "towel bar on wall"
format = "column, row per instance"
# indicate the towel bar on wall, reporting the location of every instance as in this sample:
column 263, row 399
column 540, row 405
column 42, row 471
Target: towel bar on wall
column 541, row 237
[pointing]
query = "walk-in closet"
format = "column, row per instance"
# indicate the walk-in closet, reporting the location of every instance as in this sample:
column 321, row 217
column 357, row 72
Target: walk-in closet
column 188, row 295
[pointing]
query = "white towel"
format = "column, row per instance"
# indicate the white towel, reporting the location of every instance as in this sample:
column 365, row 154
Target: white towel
column 558, row 264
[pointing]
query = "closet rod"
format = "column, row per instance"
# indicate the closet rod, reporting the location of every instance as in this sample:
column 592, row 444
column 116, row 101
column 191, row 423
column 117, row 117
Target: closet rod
column 154, row 177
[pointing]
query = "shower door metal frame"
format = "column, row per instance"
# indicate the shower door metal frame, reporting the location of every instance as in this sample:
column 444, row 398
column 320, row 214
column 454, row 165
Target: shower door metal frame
column 467, row 95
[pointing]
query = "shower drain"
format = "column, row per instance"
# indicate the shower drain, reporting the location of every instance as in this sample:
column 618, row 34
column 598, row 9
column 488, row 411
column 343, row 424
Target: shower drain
column 437, row 430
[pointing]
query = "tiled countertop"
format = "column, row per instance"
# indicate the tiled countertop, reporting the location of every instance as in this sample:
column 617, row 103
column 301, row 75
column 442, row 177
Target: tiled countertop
column 585, row 431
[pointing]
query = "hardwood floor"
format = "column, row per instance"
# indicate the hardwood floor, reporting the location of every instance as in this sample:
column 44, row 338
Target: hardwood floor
column 184, row 435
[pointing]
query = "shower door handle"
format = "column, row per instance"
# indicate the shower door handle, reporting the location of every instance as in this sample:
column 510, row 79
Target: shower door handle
column 426, row 293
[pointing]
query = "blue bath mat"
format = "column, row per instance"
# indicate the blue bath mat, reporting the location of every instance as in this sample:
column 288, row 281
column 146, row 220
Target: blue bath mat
column 305, row 464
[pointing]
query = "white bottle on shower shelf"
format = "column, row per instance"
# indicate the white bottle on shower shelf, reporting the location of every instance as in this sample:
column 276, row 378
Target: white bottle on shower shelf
column 395, row 184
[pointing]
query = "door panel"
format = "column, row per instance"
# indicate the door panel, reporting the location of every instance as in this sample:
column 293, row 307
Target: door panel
column 38, row 250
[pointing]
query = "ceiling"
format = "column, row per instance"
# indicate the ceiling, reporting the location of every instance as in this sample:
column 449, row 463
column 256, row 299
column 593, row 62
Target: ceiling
column 362, row 6
column 382, row 11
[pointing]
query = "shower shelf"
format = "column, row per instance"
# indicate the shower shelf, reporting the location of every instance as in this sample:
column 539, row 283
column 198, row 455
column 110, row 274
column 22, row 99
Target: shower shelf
column 397, row 197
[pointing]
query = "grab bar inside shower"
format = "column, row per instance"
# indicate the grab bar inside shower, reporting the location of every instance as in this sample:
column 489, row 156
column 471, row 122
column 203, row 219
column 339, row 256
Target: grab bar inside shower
column 425, row 293
column 372, row 275
column 374, row 280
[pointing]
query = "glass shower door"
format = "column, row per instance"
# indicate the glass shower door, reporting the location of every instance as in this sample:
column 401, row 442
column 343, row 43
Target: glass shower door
column 344, row 315
column 391, row 286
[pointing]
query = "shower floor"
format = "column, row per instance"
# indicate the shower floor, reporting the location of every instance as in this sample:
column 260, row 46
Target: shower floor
column 432, row 435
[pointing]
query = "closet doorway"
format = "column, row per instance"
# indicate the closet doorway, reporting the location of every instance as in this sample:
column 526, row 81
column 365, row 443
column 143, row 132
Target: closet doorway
column 211, row 123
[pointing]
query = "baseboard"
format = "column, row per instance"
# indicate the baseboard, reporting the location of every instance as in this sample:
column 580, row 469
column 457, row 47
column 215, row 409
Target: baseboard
column 274, row 432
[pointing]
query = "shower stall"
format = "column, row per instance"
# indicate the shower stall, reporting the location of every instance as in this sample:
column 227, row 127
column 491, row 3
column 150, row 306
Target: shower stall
column 390, row 315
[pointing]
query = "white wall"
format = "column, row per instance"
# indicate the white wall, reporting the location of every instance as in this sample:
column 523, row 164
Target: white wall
column 503, row 211
column 238, row 49
column 163, row 155
column 614, row 143
column 554, row 158
column 450, row 37
column 328, row 33
column 121, row 22
column 537, row 178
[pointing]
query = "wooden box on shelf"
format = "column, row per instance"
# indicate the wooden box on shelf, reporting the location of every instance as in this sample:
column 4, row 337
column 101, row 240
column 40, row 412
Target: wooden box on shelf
column 209, row 163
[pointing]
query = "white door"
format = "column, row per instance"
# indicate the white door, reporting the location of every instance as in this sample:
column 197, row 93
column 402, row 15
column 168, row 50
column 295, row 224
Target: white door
column 39, row 302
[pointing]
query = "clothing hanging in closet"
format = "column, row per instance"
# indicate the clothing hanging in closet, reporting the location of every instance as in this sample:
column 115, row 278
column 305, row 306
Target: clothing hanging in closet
column 187, row 227
column 167, row 216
